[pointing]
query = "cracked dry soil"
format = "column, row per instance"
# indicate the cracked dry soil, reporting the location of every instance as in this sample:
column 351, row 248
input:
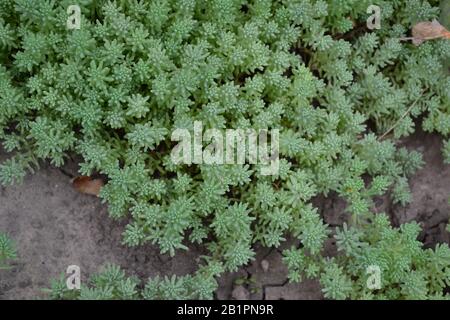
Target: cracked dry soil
column 53, row 227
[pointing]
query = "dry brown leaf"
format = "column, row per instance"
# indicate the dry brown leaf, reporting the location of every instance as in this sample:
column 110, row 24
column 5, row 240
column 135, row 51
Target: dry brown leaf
column 87, row 185
column 423, row 31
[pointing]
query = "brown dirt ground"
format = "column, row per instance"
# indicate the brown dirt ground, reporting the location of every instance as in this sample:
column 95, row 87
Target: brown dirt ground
column 54, row 227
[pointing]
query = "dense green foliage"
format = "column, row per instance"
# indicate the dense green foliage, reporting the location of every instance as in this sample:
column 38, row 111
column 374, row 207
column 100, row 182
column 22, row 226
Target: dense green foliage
column 7, row 251
column 406, row 270
column 112, row 283
column 114, row 90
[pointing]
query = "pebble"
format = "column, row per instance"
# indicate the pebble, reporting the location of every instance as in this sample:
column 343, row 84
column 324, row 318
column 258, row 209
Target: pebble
column 240, row 293
column 36, row 224
column 265, row 265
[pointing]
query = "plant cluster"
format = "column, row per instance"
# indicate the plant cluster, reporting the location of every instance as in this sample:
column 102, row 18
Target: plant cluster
column 406, row 271
column 7, row 251
column 112, row 284
column 341, row 95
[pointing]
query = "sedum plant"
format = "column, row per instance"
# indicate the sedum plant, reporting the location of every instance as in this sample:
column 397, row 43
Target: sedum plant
column 7, row 251
column 406, row 270
column 112, row 284
column 340, row 95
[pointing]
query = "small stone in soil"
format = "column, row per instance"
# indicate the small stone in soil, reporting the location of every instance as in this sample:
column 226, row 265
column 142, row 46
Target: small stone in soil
column 240, row 293
column 265, row 265
column 36, row 224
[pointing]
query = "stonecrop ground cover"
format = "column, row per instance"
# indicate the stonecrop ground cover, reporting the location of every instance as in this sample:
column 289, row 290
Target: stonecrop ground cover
column 341, row 95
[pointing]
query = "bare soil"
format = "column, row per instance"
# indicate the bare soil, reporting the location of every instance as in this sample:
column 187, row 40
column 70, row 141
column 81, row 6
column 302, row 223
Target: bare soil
column 54, row 226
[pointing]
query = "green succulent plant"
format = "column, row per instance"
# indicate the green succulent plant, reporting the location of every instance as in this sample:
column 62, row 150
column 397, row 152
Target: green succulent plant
column 340, row 95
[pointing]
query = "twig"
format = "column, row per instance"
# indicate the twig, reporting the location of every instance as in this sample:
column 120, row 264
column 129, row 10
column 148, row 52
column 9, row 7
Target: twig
column 401, row 118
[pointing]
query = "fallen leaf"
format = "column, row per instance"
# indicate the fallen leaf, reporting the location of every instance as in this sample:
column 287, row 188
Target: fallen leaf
column 87, row 185
column 423, row 31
